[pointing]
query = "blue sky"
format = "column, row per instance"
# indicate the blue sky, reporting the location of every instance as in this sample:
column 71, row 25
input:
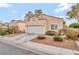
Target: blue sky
column 12, row 11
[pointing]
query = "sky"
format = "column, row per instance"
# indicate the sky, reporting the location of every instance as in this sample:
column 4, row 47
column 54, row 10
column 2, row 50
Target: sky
column 10, row 11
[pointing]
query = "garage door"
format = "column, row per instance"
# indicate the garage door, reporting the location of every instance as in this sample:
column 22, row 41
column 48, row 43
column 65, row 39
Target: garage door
column 35, row 29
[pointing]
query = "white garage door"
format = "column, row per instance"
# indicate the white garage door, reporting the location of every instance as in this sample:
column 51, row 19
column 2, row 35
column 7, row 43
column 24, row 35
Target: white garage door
column 36, row 29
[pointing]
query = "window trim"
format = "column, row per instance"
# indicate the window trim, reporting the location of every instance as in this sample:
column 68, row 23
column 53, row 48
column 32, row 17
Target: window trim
column 54, row 27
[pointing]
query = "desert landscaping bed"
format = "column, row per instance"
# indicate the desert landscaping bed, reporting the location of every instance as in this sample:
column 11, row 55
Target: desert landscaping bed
column 66, row 43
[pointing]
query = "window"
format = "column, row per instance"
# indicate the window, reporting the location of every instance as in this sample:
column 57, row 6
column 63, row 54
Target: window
column 54, row 27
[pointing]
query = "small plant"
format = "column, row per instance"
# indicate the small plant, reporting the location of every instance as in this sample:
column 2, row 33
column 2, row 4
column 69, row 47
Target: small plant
column 62, row 31
column 57, row 38
column 41, row 37
column 51, row 33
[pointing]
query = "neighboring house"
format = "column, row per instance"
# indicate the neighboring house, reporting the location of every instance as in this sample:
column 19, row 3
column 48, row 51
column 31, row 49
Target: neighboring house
column 19, row 25
column 3, row 26
column 42, row 23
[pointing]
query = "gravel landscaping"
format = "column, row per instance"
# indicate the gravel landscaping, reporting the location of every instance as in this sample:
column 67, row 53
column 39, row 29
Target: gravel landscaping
column 66, row 43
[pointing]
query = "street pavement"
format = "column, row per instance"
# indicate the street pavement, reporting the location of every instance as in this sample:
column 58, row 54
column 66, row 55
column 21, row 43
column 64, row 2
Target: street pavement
column 6, row 49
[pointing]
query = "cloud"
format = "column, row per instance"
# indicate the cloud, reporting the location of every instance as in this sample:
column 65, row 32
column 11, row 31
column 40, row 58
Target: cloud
column 4, row 5
column 63, row 7
column 61, row 16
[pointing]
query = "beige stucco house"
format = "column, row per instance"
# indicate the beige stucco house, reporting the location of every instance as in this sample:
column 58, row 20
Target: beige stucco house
column 39, row 24
column 3, row 25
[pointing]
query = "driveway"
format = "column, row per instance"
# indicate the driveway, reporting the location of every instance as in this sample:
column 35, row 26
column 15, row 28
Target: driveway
column 22, row 38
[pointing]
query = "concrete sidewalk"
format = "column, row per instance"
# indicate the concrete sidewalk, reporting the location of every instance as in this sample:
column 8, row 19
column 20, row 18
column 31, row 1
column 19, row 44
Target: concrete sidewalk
column 53, row 50
column 41, row 48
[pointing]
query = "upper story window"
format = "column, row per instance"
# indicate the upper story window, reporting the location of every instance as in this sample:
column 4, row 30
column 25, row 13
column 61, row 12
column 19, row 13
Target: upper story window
column 54, row 27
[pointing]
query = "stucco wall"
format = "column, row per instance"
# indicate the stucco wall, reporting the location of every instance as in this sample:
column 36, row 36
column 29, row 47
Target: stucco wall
column 54, row 20
column 35, row 21
column 21, row 27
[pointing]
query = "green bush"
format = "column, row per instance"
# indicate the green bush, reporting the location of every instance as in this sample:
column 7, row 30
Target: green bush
column 74, row 25
column 51, row 33
column 41, row 37
column 10, row 30
column 3, row 32
column 57, row 38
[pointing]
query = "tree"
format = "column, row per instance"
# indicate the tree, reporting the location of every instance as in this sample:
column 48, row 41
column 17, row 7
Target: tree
column 74, row 12
column 70, row 14
column 38, row 12
column 29, row 15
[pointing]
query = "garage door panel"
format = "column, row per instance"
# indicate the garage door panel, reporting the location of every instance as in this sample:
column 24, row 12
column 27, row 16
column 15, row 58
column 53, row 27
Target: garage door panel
column 36, row 29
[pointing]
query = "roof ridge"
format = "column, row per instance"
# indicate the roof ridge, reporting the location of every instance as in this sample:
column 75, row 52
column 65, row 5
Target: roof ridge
column 52, row 16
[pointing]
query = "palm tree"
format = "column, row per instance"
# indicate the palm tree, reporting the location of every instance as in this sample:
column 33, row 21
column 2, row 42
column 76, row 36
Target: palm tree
column 78, row 11
column 28, row 15
column 70, row 14
column 74, row 12
column 38, row 12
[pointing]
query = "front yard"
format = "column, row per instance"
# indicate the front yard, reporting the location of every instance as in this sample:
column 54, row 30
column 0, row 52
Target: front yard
column 66, row 43
column 56, row 38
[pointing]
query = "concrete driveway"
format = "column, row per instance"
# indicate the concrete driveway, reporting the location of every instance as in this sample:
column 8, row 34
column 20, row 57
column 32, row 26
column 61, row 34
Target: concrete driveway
column 22, row 38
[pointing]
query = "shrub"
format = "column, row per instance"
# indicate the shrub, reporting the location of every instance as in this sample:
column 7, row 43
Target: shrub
column 51, row 33
column 41, row 37
column 74, row 25
column 72, row 33
column 10, row 30
column 62, row 31
column 3, row 32
column 57, row 38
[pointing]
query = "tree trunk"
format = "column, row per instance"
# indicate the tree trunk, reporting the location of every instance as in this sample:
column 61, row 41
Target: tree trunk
column 78, row 16
column 78, row 12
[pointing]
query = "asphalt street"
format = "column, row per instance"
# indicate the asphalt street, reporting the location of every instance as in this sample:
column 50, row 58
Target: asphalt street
column 6, row 49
